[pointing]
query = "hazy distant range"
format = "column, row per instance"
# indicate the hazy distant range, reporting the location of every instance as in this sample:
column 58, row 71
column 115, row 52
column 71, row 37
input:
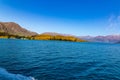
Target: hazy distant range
column 15, row 29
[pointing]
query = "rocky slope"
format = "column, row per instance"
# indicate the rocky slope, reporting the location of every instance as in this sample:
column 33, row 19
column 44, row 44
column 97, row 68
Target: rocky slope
column 14, row 29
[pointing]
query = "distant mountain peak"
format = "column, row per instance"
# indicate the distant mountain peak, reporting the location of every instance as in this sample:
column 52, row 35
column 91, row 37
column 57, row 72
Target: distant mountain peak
column 55, row 33
column 107, row 38
column 50, row 33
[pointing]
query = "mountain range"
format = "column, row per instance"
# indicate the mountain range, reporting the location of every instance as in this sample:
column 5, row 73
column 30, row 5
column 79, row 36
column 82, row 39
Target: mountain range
column 14, row 30
column 107, row 38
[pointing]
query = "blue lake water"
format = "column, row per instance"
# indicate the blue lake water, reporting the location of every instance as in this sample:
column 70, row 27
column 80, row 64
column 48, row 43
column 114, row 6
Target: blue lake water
column 58, row 60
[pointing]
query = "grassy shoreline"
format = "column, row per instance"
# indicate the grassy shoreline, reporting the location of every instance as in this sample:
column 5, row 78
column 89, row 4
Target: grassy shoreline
column 44, row 37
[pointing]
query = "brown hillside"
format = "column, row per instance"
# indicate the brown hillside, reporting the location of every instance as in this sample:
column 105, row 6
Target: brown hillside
column 14, row 29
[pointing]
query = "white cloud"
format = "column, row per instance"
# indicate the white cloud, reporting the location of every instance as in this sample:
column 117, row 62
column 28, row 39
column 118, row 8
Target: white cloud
column 114, row 24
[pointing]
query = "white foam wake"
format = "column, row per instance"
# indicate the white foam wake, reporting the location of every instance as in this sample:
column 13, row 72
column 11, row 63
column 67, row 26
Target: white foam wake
column 4, row 75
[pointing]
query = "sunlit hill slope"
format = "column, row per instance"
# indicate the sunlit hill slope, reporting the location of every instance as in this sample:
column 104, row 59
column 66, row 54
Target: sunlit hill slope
column 15, row 31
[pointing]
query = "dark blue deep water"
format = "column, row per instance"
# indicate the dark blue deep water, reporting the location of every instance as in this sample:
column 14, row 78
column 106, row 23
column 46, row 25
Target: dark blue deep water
column 58, row 60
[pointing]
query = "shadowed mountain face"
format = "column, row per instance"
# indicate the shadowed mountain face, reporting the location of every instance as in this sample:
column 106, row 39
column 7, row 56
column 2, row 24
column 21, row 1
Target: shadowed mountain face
column 14, row 29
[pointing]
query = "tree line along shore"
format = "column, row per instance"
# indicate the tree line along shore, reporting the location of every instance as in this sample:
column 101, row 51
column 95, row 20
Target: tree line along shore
column 42, row 37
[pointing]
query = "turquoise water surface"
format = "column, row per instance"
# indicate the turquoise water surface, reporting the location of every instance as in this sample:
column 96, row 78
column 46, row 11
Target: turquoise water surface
column 58, row 60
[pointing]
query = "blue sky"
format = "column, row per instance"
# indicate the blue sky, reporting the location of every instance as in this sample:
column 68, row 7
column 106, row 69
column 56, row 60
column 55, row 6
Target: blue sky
column 77, row 17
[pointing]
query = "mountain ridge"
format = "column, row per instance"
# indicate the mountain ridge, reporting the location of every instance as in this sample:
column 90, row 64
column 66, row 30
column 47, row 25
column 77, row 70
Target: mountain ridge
column 13, row 28
column 107, row 38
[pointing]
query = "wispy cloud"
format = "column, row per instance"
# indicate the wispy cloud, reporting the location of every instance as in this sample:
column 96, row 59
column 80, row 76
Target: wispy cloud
column 114, row 24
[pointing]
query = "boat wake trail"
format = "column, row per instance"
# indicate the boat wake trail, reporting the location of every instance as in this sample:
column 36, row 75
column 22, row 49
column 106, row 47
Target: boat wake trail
column 4, row 75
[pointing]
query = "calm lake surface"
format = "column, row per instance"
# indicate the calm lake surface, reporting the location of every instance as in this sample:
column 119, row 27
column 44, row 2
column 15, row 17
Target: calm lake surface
column 58, row 60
